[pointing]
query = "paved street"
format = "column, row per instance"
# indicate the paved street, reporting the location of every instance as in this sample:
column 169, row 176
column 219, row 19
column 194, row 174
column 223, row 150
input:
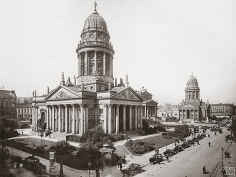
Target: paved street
column 190, row 162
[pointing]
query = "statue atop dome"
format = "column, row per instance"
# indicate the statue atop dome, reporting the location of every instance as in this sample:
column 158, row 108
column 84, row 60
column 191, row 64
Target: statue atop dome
column 95, row 5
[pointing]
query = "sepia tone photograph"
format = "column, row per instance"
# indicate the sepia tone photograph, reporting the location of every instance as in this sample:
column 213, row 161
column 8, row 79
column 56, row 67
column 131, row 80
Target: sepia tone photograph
column 117, row 88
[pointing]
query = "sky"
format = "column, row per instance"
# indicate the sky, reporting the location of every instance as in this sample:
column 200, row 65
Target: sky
column 158, row 43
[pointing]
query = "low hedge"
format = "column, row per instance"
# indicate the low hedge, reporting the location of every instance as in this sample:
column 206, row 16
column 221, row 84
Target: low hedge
column 106, row 137
column 138, row 146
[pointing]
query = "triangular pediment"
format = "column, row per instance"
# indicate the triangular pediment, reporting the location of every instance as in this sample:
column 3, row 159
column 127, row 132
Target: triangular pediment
column 128, row 94
column 151, row 102
column 61, row 93
column 188, row 106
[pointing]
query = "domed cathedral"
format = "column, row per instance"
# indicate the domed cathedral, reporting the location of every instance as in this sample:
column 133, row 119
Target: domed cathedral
column 192, row 108
column 95, row 98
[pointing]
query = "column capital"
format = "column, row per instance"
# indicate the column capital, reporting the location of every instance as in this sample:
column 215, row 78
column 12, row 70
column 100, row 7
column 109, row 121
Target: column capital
column 109, row 105
column 117, row 105
column 74, row 105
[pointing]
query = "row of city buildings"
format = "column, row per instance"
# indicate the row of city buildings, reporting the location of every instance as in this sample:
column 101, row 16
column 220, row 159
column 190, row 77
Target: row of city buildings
column 95, row 98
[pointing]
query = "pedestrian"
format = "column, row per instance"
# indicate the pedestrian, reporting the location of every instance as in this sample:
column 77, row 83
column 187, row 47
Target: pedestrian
column 120, row 164
column 167, row 158
column 209, row 144
column 102, row 165
column 223, row 171
column 204, row 170
column 215, row 133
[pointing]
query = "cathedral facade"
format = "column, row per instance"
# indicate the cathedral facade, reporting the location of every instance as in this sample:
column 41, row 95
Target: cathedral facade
column 192, row 108
column 94, row 97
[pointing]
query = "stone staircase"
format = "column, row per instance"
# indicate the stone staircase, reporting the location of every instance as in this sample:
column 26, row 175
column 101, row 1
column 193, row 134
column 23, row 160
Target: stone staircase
column 132, row 134
column 58, row 135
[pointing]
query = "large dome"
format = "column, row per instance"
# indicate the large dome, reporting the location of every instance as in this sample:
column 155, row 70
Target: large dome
column 95, row 22
column 95, row 33
column 192, row 82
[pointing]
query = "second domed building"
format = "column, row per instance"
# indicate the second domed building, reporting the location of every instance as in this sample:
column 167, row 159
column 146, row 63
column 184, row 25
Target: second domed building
column 192, row 108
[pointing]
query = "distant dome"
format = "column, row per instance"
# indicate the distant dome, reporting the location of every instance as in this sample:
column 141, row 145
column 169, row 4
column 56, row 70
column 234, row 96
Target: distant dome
column 192, row 82
column 95, row 22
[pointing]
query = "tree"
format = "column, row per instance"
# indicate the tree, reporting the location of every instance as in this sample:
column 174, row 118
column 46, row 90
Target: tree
column 41, row 124
column 7, row 126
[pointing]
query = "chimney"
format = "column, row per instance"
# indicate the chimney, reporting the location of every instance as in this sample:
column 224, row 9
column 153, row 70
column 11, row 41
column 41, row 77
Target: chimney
column 74, row 80
column 48, row 90
column 115, row 81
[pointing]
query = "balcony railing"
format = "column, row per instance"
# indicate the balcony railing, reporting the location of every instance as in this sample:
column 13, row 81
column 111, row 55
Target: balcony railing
column 84, row 44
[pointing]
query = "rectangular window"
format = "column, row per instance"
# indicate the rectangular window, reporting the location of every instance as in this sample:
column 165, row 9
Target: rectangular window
column 100, row 111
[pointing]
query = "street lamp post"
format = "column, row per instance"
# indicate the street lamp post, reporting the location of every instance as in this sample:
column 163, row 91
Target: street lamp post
column 222, row 149
column 89, row 165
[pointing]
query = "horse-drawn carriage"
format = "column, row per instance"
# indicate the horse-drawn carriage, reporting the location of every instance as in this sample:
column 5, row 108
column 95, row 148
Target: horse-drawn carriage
column 133, row 169
column 228, row 137
column 170, row 152
column 190, row 142
column 157, row 158
column 185, row 145
column 32, row 163
column 178, row 148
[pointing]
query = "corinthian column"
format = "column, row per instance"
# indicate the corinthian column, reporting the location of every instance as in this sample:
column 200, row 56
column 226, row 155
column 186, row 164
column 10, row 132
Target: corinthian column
column 86, row 63
column 109, row 118
column 130, row 118
column 136, row 117
column 79, row 64
column 104, row 63
column 73, row 119
column 124, row 118
column 59, row 118
column 105, row 117
column 47, row 120
column 82, row 119
column 66, row 118
column 53, row 118
column 117, row 118
column 95, row 61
